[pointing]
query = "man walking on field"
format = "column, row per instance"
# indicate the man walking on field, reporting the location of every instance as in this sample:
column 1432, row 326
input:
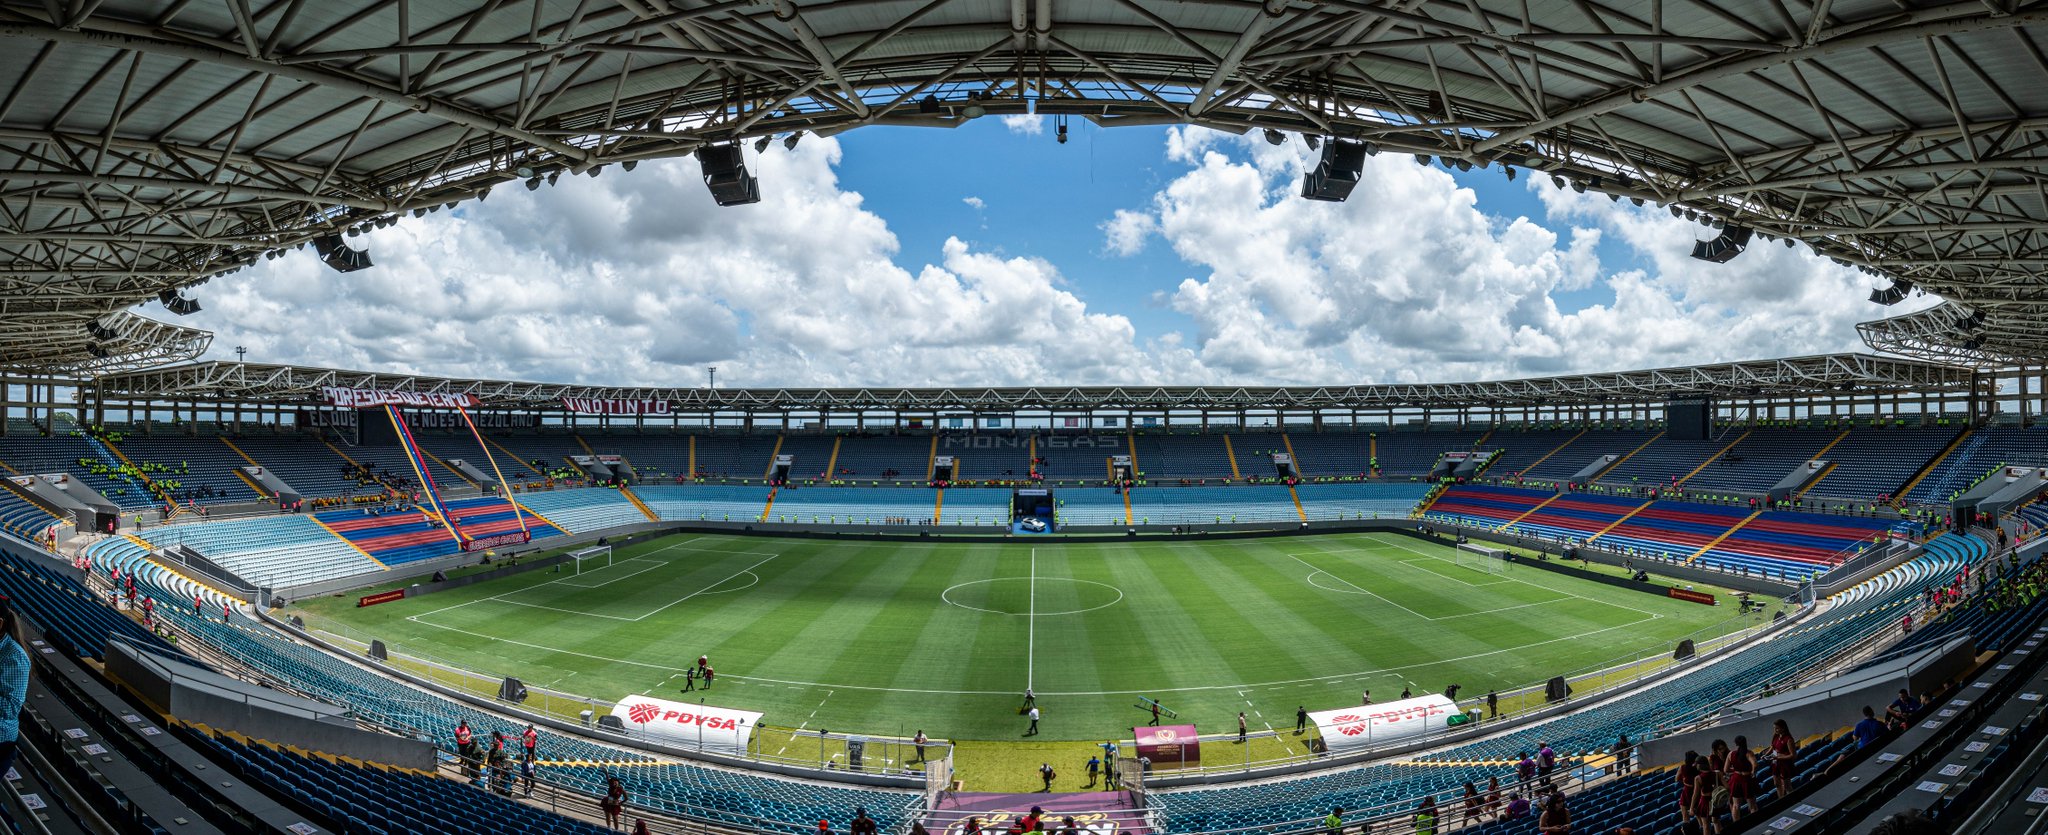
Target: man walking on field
column 1033, row 731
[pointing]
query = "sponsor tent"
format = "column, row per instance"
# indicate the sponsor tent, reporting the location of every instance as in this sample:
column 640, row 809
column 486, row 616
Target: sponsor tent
column 716, row 729
column 1350, row 728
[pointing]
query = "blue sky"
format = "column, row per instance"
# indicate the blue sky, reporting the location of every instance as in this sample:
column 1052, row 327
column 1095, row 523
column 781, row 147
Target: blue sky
column 1048, row 200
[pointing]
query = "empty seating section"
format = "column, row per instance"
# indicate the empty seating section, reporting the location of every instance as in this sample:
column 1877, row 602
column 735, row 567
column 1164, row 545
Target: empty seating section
column 2035, row 518
column 277, row 551
column 1673, row 530
column 1167, row 457
column 1762, row 459
column 1207, row 505
column 1877, row 462
column 1518, row 450
column 516, row 455
column 653, row 457
column 853, row 505
column 1589, row 448
column 1700, row 694
column 371, row 800
column 738, row 456
column 878, row 457
column 72, row 618
column 809, row 455
column 1414, row 453
column 25, row 520
column 1326, row 502
column 971, row 506
column 1331, row 453
column 583, row 510
column 1986, row 448
column 1255, row 451
column 1072, row 457
column 409, row 536
column 729, row 797
column 393, row 460
column 1666, row 459
column 193, row 463
column 706, row 502
column 1089, row 506
column 303, row 462
column 1795, row 542
column 1487, row 505
column 61, row 454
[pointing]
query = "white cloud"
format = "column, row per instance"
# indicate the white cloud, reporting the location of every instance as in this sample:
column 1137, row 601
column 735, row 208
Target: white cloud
column 1125, row 232
column 976, row 202
column 1025, row 124
column 1410, row 280
column 640, row 279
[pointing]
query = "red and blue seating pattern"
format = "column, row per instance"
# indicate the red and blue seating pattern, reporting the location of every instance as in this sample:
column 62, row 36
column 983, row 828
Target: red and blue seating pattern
column 1574, row 516
column 1794, row 543
column 401, row 537
column 1673, row 530
column 1778, row 543
column 1487, row 505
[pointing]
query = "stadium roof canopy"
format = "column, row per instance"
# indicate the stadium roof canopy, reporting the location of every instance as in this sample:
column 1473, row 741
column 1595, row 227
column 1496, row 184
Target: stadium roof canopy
column 146, row 145
column 1820, row 376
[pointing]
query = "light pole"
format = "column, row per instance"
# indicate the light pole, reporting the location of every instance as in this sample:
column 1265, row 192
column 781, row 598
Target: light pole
column 712, row 370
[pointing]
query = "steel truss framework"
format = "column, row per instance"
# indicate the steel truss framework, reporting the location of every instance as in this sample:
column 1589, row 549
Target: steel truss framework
column 1835, row 375
column 147, row 144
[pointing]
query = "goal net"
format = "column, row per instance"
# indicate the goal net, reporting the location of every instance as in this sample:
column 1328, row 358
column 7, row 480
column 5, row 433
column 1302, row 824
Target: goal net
column 594, row 557
column 1481, row 558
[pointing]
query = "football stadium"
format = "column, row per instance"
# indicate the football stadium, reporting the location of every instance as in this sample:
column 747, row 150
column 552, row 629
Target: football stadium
column 487, row 570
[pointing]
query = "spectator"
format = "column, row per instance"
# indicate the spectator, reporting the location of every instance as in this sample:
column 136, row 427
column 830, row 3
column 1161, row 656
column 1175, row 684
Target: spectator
column 1474, row 805
column 1518, row 807
column 1741, row 779
column 1688, row 778
column 1556, row 820
column 614, row 802
column 1869, row 730
column 1333, row 823
column 14, row 666
column 1425, row 816
column 1784, row 756
column 1623, row 752
column 862, row 824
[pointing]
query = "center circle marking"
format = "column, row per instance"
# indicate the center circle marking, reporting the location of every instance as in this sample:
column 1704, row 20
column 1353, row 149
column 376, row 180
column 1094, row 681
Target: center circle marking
column 947, row 595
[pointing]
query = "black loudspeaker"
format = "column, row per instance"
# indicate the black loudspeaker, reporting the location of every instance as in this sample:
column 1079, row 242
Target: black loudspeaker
column 1724, row 247
column 1557, row 690
column 512, row 690
column 1336, row 173
column 1685, row 650
column 338, row 255
column 377, row 651
column 725, row 173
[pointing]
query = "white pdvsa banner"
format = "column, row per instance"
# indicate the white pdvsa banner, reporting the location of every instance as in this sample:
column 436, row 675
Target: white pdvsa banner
column 717, row 729
column 1349, row 728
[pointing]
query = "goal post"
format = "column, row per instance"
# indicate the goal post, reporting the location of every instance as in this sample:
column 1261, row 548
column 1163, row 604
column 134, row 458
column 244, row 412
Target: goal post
column 596, row 556
column 1481, row 558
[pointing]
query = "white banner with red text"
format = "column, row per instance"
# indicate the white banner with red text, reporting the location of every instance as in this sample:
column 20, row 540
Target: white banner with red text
column 1349, row 728
column 608, row 406
column 366, row 398
column 704, row 727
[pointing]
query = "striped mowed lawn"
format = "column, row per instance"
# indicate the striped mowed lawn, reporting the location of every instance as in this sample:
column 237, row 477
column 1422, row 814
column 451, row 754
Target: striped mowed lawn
column 892, row 638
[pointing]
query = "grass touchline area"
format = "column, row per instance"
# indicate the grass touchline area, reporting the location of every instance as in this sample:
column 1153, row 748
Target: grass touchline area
column 890, row 638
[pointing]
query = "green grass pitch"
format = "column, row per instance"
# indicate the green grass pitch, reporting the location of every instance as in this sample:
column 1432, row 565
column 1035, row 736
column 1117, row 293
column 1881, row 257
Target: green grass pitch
column 890, row 638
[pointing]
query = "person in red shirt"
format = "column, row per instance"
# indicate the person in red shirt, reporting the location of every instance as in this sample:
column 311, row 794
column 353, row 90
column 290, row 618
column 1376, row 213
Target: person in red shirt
column 462, row 735
column 532, row 738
